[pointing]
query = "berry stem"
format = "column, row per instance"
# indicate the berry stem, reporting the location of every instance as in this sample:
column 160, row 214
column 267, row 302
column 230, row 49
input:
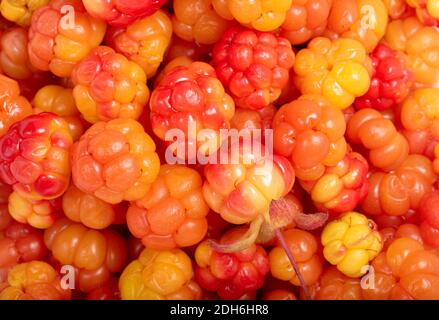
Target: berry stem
column 284, row 245
column 245, row 242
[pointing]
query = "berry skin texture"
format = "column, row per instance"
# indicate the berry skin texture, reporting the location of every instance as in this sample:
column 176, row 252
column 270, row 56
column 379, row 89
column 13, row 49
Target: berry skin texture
column 334, row 285
column 387, row 147
column 421, row 46
column 197, row 21
column 310, row 132
column 109, row 86
column 35, row 280
column 40, row 214
column 397, row 192
column 231, row 275
column 96, row 254
column 303, row 246
column 14, row 107
column 20, row 11
column 242, row 192
column 305, row 19
column 53, row 45
column 391, row 80
column 261, row 15
column 14, row 59
column 115, row 161
column 338, row 70
column 350, row 242
column 429, row 211
column 253, row 66
column 34, row 157
column 427, row 11
column 248, row 119
column 406, row 271
column 19, row 243
column 85, row 208
column 420, row 111
column 144, row 41
column 159, row 275
column 191, row 50
column 362, row 20
column 60, row 101
column 191, row 96
column 342, row 186
column 122, row 13
column 173, row 212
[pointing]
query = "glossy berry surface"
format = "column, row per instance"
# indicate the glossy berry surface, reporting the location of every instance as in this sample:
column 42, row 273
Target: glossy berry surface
column 40, row 214
column 334, row 285
column 89, row 210
column 34, row 156
column 191, row 98
column 243, row 191
column 14, row 59
column 231, row 274
column 109, row 86
column 54, row 45
column 391, row 80
column 262, row 15
column 115, row 161
column 342, row 187
column 14, row 107
column 159, row 275
column 406, row 271
column 197, row 20
column 338, row 70
column 310, row 132
column 173, row 213
column 19, row 243
column 350, row 242
column 20, row 11
column 144, row 41
column 428, row 210
column 35, row 280
column 363, row 20
column 96, row 254
column 253, row 66
column 420, row 44
column 122, row 13
column 397, row 192
column 386, row 146
column 303, row 246
column 306, row 19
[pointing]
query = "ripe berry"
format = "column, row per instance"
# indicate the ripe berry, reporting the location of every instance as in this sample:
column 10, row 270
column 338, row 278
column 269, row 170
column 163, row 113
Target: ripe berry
column 54, row 45
column 303, row 246
column 144, row 42
column 231, row 274
column 191, row 96
column 34, row 157
column 109, row 86
column 350, row 242
column 173, row 212
column 391, row 80
column 14, row 107
column 338, row 70
column 159, row 275
column 253, row 66
column 35, row 280
column 96, row 254
column 115, row 161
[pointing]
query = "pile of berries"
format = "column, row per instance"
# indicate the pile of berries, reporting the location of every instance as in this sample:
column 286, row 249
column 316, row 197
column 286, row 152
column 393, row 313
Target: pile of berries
column 219, row 149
